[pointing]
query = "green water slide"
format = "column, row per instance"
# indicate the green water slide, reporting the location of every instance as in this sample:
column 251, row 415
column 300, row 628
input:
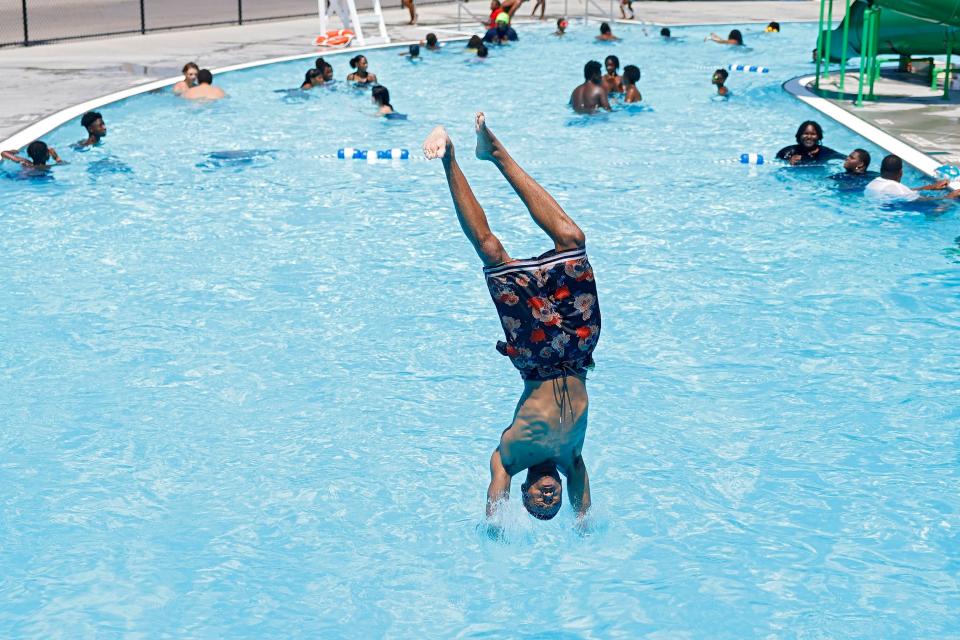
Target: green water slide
column 876, row 27
column 898, row 33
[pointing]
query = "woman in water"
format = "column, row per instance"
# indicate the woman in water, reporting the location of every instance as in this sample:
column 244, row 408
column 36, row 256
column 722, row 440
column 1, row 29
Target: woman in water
column 190, row 71
column 734, row 38
column 361, row 76
column 808, row 149
column 381, row 97
column 474, row 43
column 313, row 79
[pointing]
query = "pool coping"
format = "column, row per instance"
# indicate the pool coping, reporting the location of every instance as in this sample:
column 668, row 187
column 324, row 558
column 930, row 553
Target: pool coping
column 797, row 87
column 45, row 125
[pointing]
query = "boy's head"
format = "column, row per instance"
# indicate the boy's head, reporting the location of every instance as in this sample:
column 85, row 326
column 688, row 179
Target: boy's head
column 665, row 32
column 542, row 491
column 39, row 152
column 205, row 77
column 631, row 74
column 720, row 76
column 93, row 123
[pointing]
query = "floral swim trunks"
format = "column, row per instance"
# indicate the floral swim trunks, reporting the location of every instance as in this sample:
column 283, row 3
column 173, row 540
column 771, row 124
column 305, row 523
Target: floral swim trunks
column 549, row 311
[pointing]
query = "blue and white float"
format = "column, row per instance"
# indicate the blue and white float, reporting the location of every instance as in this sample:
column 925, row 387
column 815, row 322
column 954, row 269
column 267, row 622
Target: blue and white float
column 349, row 153
column 747, row 68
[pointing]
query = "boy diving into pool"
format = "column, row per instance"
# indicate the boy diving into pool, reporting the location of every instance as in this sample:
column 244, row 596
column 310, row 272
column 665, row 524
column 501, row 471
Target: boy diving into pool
column 551, row 320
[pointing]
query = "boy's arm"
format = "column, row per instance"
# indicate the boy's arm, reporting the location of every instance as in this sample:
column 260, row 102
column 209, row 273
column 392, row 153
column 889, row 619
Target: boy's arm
column 499, row 488
column 12, row 156
column 578, row 485
column 53, row 154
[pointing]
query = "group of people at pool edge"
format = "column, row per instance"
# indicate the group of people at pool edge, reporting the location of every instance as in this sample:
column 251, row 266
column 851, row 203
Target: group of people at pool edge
column 548, row 305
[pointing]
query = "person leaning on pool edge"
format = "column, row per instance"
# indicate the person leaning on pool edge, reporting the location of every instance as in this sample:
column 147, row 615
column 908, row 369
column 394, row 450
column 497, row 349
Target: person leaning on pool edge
column 808, row 149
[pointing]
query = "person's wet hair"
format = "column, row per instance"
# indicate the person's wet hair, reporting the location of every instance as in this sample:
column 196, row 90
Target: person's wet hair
column 614, row 59
column 322, row 64
column 312, row 74
column 774, row 26
column 631, row 73
column 190, row 65
column 474, row 42
column 736, row 36
column 38, row 151
column 414, row 50
column 482, row 50
column 891, row 166
column 204, row 77
column 723, row 73
column 591, row 70
column 355, row 61
column 604, row 28
column 665, row 32
column 809, row 123
column 863, row 156
column 381, row 95
column 431, row 39
column 89, row 118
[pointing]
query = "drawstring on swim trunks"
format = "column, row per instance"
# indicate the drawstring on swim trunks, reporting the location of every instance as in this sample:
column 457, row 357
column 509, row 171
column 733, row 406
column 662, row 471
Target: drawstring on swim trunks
column 562, row 397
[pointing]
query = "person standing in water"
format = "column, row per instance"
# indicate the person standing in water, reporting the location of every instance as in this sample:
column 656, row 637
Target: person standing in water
column 550, row 315
column 361, row 76
column 190, row 71
column 631, row 76
column 590, row 96
column 612, row 81
column 719, row 78
column 204, row 89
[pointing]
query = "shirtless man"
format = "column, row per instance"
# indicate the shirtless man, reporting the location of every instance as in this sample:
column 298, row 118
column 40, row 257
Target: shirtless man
column 551, row 320
column 92, row 121
column 590, row 95
column 204, row 89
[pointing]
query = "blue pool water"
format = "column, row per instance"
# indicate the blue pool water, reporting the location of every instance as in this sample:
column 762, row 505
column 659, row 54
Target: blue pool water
column 250, row 391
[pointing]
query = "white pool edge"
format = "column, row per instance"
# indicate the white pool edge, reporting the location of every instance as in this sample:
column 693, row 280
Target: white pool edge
column 798, row 88
column 47, row 124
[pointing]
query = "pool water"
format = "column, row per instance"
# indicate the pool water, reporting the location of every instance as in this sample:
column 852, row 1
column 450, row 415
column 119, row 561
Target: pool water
column 248, row 390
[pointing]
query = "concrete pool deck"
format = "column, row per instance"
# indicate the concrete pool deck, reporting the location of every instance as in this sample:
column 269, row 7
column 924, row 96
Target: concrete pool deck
column 42, row 80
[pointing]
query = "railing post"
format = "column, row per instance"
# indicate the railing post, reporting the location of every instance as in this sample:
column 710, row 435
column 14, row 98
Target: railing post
column 143, row 19
column 240, row 11
column 816, row 82
column 459, row 15
column 26, row 30
column 947, row 76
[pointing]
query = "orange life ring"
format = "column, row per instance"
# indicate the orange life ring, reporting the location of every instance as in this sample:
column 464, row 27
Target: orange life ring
column 335, row 38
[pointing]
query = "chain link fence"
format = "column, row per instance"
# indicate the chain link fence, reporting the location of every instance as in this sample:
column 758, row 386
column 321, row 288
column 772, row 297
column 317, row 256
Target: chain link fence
column 31, row 22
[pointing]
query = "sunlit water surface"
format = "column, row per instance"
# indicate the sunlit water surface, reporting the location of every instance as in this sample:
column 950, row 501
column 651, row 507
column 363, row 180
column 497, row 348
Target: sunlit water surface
column 253, row 394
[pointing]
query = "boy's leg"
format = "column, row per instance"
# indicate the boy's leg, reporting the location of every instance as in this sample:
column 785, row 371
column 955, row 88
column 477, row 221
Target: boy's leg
column 548, row 215
column 473, row 220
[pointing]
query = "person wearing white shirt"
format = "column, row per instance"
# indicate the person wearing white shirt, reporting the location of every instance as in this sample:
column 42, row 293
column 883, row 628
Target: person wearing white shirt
column 888, row 186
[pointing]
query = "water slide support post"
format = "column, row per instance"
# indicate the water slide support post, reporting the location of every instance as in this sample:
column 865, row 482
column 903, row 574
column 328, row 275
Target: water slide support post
column 845, row 43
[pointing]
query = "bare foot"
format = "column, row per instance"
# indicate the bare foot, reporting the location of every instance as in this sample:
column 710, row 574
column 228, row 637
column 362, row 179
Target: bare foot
column 487, row 143
column 437, row 144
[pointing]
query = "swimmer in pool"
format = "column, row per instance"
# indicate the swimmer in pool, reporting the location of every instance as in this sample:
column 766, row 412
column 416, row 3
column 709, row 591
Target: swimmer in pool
column 734, row 38
column 204, row 89
column 431, row 42
column 562, row 25
column 325, row 69
column 473, row 43
column 190, row 71
column 808, row 149
column 719, row 78
column 412, row 52
column 606, row 35
column 361, row 76
column 482, row 51
column 312, row 79
column 96, row 130
column 502, row 32
column 856, row 174
column 381, row 97
column 590, row 95
column 612, row 81
column 631, row 76
column 551, row 320
column 773, row 27
column 39, row 154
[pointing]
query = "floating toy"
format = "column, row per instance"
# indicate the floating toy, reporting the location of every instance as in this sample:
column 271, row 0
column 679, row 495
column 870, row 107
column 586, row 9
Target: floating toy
column 336, row 38
column 747, row 68
column 349, row 153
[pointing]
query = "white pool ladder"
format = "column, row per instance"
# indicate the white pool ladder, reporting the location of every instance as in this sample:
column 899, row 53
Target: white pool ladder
column 346, row 10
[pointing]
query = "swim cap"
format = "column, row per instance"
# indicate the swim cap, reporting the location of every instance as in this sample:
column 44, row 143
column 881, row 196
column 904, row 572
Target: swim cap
column 503, row 17
column 564, row 23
